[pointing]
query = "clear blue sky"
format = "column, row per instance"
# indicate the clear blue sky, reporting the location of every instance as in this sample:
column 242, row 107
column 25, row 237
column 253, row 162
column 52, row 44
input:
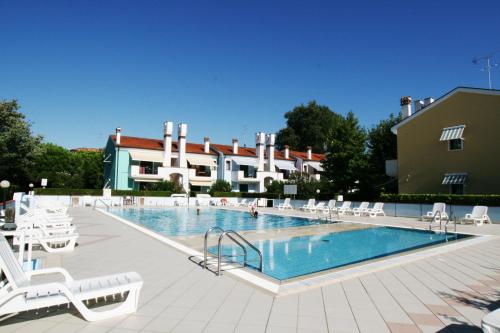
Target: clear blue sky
column 231, row 68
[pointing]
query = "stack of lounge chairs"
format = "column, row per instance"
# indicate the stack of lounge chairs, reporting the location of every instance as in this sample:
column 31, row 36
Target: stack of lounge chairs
column 51, row 227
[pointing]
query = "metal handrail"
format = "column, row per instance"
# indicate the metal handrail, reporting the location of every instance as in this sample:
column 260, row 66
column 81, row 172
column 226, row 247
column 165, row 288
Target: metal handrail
column 205, row 248
column 229, row 233
column 104, row 202
column 434, row 219
column 446, row 225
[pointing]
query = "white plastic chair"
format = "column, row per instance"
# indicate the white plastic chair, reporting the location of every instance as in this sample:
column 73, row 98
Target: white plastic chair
column 378, row 209
column 437, row 207
column 18, row 294
column 345, row 208
column 310, row 206
column 361, row 209
column 479, row 215
column 285, row 205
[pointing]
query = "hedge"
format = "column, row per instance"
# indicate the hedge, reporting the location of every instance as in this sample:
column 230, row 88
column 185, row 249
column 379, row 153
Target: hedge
column 98, row 192
column 453, row 199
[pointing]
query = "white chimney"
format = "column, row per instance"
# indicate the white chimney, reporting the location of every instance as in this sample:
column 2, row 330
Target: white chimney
column 419, row 104
column 206, row 145
column 309, row 152
column 270, row 138
column 235, row 146
column 287, row 151
column 260, row 139
column 405, row 107
column 118, row 135
column 428, row 101
column 167, row 143
column 181, row 144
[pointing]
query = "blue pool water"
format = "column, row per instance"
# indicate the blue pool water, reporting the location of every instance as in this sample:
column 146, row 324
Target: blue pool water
column 287, row 258
column 184, row 221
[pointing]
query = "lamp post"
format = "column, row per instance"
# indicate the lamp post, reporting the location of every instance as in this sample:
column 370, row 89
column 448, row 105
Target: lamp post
column 4, row 184
column 317, row 193
column 31, row 188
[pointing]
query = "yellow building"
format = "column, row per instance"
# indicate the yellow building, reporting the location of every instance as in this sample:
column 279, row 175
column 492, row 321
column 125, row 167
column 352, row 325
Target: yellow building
column 450, row 145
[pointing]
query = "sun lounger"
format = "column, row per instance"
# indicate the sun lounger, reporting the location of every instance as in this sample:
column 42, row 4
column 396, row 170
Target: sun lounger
column 361, row 209
column 378, row 209
column 18, row 293
column 479, row 215
column 491, row 322
column 253, row 203
column 345, row 208
column 55, row 243
column 437, row 207
column 285, row 205
column 310, row 206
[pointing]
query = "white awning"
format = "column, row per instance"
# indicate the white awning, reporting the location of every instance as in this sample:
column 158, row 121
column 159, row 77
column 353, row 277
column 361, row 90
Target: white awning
column 252, row 161
column 200, row 183
column 201, row 160
column 285, row 165
column 148, row 156
column 454, row 178
column 315, row 165
column 452, row 133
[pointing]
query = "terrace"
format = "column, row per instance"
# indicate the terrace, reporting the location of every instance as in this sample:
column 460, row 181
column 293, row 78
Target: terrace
column 449, row 290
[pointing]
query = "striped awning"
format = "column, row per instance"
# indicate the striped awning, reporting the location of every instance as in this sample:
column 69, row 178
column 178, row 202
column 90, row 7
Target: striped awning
column 315, row 165
column 285, row 165
column 454, row 178
column 452, row 133
column 146, row 155
column 201, row 160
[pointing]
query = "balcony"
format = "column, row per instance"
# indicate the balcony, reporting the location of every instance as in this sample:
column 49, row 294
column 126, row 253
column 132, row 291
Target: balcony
column 139, row 173
column 240, row 177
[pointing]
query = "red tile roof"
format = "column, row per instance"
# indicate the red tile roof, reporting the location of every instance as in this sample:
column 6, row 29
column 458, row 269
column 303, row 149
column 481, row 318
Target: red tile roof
column 155, row 144
column 228, row 150
column 303, row 155
column 195, row 148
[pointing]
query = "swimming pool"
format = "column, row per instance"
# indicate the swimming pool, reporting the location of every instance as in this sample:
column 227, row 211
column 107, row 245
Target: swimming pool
column 287, row 258
column 183, row 221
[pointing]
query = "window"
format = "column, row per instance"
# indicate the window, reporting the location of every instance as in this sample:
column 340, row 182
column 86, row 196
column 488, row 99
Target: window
column 243, row 187
column 228, row 165
column 456, row 144
column 457, row 189
column 148, row 168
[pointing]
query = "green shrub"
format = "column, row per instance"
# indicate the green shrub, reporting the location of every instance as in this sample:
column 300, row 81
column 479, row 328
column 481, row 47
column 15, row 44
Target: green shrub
column 220, row 185
column 454, row 199
column 98, row 192
column 226, row 194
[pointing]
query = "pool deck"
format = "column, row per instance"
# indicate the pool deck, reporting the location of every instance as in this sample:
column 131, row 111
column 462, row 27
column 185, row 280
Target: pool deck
column 447, row 292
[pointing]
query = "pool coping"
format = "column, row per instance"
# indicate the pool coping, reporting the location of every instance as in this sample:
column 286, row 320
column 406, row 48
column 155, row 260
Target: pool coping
column 319, row 279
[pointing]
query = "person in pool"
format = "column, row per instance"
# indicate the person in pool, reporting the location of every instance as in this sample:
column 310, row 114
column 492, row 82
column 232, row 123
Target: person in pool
column 254, row 212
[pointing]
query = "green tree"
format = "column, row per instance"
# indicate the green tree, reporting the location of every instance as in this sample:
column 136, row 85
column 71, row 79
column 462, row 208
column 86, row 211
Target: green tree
column 346, row 165
column 18, row 146
column 220, row 185
column 65, row 169
column 382, row 146
column 306, row 125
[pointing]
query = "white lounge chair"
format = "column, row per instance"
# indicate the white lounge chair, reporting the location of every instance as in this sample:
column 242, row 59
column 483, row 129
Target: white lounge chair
column 285, row 205
column 437, row 207
column 361, row 209
column 345, row 208
column 310, row 206
column 479, row 215
column 242, row 203
column 491, row 322
column 320, row 206
column 378, row 209
column 253, row 203
column 330, row 207
column 17, row 293
column 50, row 243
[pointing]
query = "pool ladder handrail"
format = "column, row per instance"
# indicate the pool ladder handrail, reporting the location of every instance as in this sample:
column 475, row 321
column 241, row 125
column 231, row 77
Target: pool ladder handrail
column 232, row 235
column 434, row 219
column 446, row 225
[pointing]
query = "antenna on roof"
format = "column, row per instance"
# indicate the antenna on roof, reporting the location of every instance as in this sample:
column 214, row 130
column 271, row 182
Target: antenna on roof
column 489, row 63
